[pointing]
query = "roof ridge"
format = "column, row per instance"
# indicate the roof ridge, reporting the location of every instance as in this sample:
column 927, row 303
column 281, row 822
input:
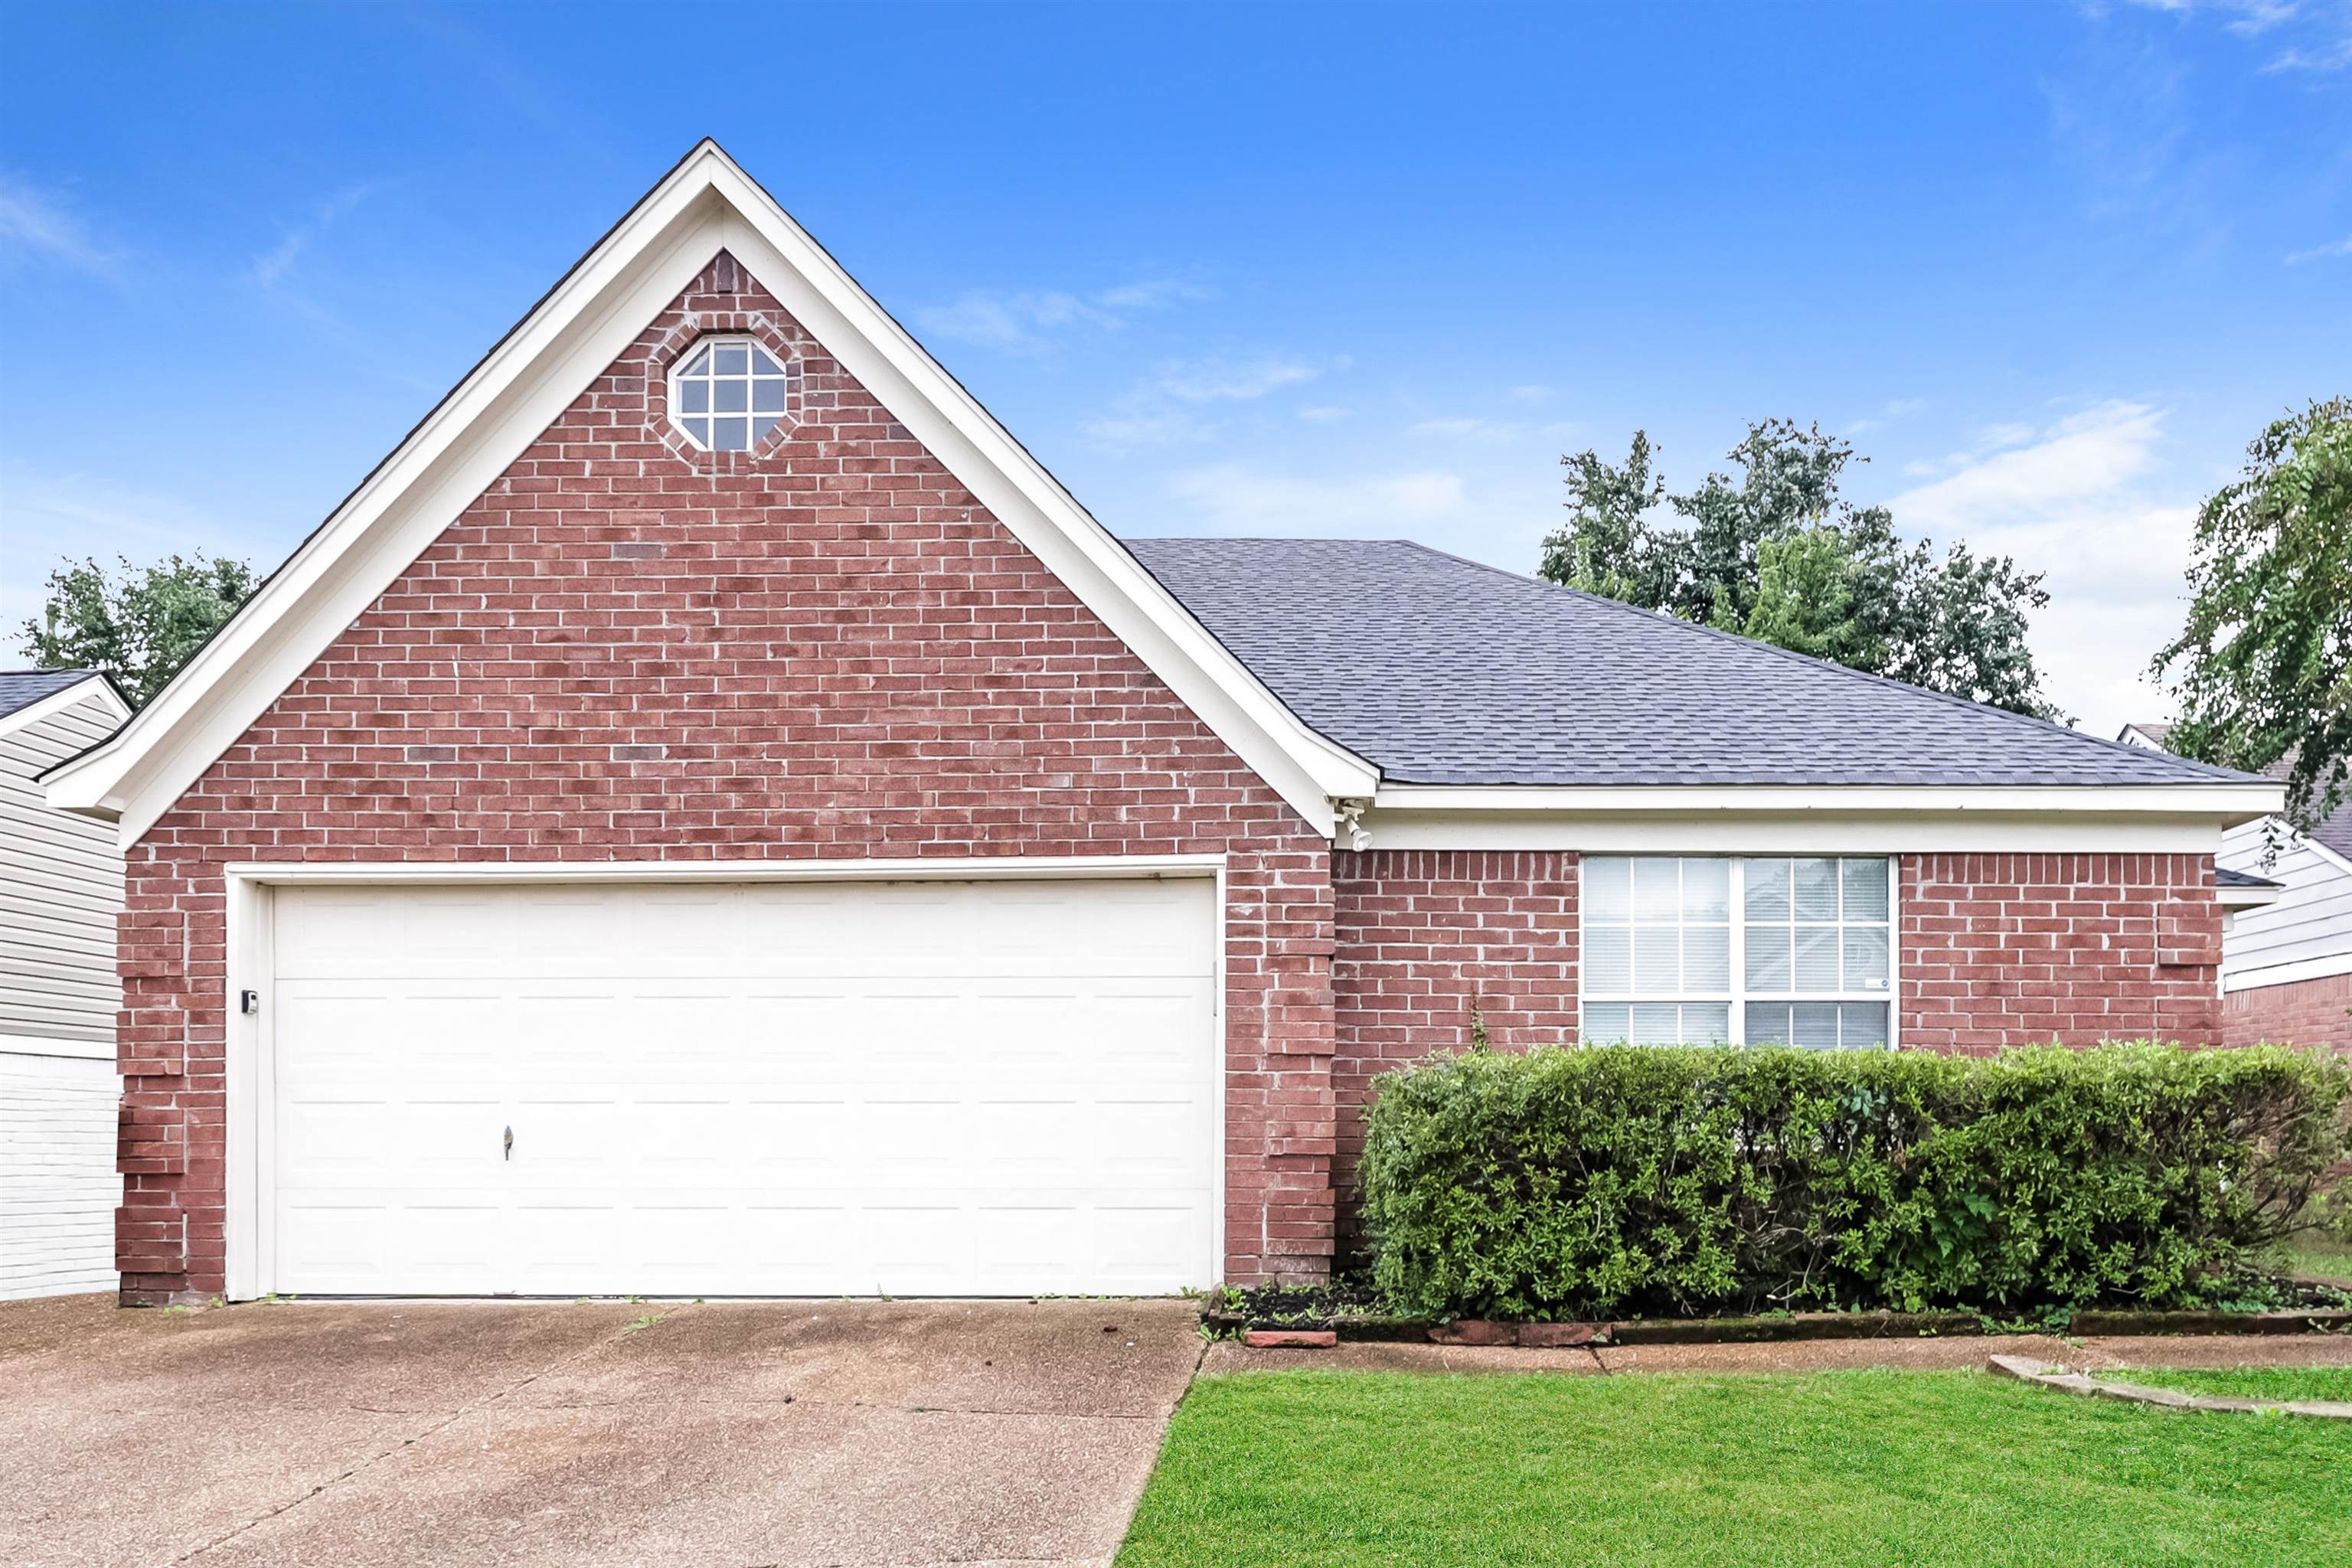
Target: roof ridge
column 1658, row 618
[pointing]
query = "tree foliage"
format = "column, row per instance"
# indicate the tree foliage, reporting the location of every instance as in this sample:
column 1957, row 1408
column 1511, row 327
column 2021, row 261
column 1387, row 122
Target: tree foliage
column 1774, row 552
column 139, row 625
column 2264, row 664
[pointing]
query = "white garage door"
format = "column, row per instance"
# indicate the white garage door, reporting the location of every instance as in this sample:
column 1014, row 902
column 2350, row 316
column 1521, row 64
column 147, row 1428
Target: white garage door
column 990, row 1087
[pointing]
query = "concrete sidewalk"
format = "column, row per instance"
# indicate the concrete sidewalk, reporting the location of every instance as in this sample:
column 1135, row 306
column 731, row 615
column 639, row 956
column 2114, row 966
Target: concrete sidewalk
column 1803, row 1355
column 837, row 1433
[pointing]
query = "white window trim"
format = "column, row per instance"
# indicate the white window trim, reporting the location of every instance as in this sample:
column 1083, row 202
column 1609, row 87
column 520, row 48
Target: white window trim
column 751, row 378
column 1738, row 996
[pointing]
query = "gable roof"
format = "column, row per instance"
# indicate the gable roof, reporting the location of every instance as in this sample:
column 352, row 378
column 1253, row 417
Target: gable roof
column 23, row 688
column 1448, row 672
column 705, row 205
column 22, row 691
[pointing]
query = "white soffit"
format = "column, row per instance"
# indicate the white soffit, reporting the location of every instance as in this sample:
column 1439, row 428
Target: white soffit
column 704, row 206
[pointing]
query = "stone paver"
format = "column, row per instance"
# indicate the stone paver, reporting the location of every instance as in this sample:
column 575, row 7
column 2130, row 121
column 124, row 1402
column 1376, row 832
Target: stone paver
column 840, row 1433
column 2107, row 1385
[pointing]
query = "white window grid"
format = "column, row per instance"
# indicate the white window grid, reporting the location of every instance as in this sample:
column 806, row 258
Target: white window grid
column 728, row 394
column 1735, row 997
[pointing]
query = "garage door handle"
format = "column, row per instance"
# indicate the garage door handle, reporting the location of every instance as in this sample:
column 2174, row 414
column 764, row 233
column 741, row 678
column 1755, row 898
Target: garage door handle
column 509, row 1143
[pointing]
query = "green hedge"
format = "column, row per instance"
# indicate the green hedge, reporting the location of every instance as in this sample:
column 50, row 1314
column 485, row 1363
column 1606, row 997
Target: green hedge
column 1617, row 1180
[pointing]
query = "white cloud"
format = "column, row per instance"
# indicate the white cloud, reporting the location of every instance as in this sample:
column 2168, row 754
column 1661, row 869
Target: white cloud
column 1016, row 323
column 1324, row 413
column 2319, row 252
column 1231, row 381
column 2247, row 18
column 275, row 263
column 1135, row 426
column 1243, row 498
column 37, row 223
column 2082, row 500
column 1472, row 429
column 47, row 518
column 1029, row 323
column 1898, row 408
column 1531, row 394
column 2328, row 58
column 2085, row 455
column 1152, row 294
column 1162, row 409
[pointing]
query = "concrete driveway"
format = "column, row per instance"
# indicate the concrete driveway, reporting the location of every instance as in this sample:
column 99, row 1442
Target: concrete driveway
column 783, row 1433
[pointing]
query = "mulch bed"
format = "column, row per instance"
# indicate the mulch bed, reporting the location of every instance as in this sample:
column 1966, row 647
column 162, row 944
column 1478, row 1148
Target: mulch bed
column 1354, row 1310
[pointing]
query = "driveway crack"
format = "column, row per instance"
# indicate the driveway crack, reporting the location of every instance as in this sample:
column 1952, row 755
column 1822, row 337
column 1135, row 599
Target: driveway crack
column 371, row 1460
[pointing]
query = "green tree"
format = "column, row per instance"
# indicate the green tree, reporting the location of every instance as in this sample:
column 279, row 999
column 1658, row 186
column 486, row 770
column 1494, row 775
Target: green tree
column 2263, row 667
column 140, row 626
column 1774, row 552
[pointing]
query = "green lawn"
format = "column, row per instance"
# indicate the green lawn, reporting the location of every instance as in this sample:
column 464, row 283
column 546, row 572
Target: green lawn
column 2251, row 1382
column 1877, row 1469
column 2321, row 1256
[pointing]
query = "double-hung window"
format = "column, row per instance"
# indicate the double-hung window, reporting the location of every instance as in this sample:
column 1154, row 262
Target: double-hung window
column 1757, row 950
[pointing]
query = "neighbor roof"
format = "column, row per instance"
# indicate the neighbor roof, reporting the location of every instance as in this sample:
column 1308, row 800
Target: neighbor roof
column 1443, row 672
column 20, row 689
column 2226, row 878
column 2335, row 829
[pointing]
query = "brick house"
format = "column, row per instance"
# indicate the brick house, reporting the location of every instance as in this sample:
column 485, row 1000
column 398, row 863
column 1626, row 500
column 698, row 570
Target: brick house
column 710, row 814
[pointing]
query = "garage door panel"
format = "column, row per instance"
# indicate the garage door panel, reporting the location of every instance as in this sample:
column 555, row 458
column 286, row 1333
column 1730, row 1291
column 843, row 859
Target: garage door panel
column 755, row 1088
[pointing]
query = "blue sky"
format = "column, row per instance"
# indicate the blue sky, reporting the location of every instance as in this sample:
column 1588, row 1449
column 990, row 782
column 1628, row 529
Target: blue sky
column 1274, row 270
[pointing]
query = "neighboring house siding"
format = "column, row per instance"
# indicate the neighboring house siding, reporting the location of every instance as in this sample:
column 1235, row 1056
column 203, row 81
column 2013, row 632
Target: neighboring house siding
column 829, row 649
column 1426, row 938
column 2300, row 1013
column 2307, row 932
column 60, row 894
column 60, row 891
column 2012, row 949
column 57, row 1184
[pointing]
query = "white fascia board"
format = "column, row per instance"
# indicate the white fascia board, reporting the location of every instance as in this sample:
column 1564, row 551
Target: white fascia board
column 2231, row 898
column 705, row 205
column 73, row 696
column 1793, row 833
column 2222, row 804
column 2186, row 820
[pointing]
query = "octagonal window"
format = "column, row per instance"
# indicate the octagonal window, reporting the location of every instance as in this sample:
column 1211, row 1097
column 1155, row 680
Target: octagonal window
column 727, row 395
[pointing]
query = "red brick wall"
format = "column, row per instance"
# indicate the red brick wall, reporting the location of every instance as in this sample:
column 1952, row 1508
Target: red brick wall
column 1426, row 937
column 2300, row 1013
column 624, row 650
column 2009, row 950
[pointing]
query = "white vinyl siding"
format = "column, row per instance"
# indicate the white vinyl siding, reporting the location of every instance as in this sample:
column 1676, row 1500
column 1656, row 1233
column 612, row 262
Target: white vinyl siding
column 58, row 1185
column 2307, row 932
column 1794, row 950
column 60, row 890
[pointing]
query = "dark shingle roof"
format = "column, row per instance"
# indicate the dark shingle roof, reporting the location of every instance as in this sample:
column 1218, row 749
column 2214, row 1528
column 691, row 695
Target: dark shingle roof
column 2229, row 879
column 1443, row 671
column 23, row 688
